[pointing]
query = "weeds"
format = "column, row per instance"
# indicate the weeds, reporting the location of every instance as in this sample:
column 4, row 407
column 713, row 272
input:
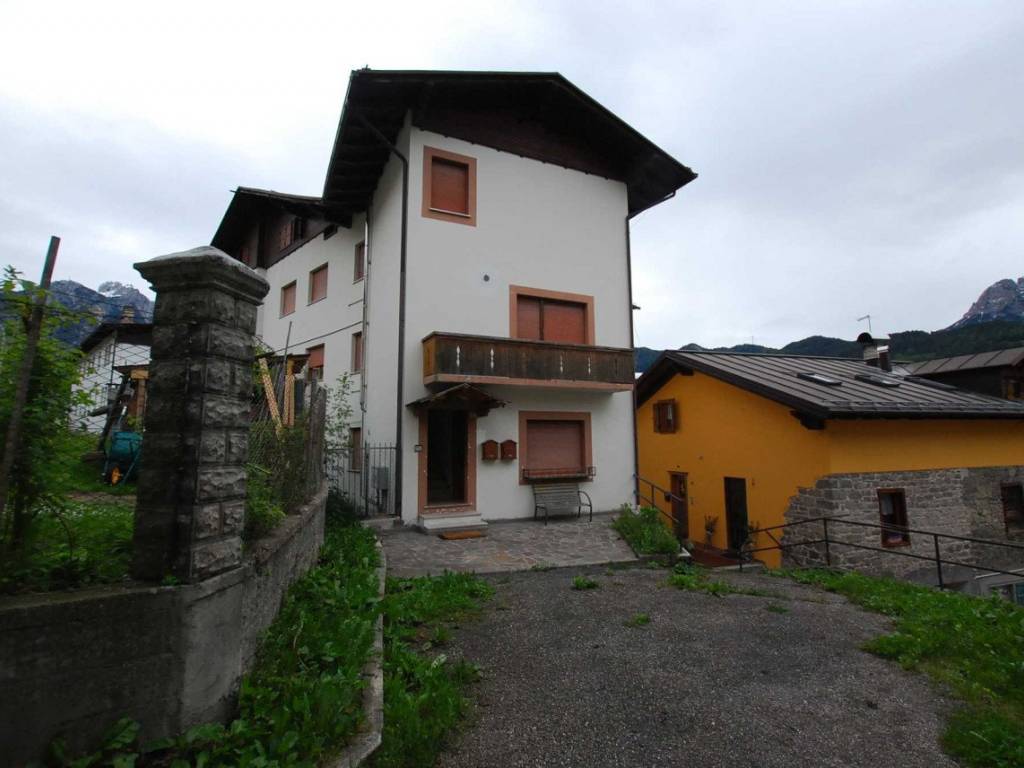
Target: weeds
column 639, row 620
column 973, row 645
column 776, row 608
column 582, row 583
column 645, row 532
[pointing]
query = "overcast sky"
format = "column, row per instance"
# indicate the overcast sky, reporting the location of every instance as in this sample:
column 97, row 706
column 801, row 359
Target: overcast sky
column 853, row 157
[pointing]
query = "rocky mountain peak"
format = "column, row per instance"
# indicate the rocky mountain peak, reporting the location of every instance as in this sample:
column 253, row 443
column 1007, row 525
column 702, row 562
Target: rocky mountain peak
column 1003, row 300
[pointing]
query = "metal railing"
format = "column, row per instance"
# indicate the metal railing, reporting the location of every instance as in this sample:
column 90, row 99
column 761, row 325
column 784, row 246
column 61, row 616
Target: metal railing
column 365, row 478
column 829, row 540
column 652, row 500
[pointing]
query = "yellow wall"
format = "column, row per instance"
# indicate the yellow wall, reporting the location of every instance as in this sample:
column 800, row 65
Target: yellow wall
column 724, row 431
column 887, row 445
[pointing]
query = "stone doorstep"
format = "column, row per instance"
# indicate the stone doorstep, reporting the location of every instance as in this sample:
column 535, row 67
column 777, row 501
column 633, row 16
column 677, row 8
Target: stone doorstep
column 464, row 521
column 368, row 737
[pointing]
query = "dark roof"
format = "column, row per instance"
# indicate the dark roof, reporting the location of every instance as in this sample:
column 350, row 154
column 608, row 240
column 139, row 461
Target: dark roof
column 131, row 333
column 783, row 378
column 461, row 397
column 534, row 114
column 248, row 203
column 998, row 359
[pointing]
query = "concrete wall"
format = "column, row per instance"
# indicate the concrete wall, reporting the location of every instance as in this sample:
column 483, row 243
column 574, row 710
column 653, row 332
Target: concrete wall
column 961, row 502
column 72, row 664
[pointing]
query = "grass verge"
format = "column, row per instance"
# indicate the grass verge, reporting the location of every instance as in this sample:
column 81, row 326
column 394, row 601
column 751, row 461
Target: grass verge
column 424, row 690
column 693, row 578
column 974, row 646
column 645, row 532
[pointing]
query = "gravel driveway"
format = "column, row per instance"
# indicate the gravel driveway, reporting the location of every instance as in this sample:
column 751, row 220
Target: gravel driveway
column 708, row 682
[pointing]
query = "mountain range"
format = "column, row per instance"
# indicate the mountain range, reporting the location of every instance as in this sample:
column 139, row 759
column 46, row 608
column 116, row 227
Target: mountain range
column 106, row 304
column 994, row 321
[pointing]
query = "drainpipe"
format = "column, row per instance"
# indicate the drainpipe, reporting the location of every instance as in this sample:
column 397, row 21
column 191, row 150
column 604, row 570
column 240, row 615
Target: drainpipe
column 399, row 409
column 632, row 339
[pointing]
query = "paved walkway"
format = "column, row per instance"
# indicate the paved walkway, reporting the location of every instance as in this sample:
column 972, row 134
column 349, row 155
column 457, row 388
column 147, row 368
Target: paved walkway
column 717, row 682
column 508, row 546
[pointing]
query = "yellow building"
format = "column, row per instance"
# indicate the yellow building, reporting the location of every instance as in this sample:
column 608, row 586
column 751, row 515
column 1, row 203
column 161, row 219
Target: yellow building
column 731, row 444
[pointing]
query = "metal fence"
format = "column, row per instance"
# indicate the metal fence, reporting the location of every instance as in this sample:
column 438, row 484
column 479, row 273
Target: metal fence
column 365, row 477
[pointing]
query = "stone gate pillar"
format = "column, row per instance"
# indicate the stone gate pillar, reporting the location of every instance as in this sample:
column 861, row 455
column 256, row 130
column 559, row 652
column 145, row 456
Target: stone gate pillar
column 191, row 491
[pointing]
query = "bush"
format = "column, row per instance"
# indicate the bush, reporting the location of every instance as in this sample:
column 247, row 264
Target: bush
column 645, row 532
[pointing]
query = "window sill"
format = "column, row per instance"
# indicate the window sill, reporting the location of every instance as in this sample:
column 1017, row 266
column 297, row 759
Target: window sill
column 316, row 301
column 287, row 314
column 895, row 544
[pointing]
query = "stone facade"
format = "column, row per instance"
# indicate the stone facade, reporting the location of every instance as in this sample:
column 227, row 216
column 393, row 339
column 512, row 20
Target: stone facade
column 191, row 502
column 960, row 502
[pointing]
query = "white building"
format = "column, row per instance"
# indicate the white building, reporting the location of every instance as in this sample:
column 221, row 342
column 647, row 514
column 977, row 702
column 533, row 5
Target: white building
column 109, row 350
column 469, row 264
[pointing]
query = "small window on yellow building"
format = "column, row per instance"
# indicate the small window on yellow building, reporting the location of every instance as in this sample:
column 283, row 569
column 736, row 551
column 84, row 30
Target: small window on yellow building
column 892, row 509
column 665, row 416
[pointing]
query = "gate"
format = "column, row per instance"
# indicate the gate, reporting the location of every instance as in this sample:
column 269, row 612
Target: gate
column 365, row 477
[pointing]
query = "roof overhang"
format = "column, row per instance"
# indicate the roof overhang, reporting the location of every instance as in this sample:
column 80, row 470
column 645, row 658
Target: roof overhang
column 461, row 397
column 540, row 115
column 248, row 204
column 128, row 333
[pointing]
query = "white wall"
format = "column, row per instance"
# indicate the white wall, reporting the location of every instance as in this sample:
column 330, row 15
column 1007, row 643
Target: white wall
column 98, row 373
column 331, row 321
column 541, row 226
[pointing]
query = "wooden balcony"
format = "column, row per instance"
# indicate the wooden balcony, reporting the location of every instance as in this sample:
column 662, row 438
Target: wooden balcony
column 452, row 358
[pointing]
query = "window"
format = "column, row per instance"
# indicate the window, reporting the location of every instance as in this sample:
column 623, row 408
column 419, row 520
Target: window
column 359, row 269
column 565, row 318
column 315, row 366
column 665, row 416
column 1013, row 507
column 554, row 445
column 355, row 443
column 449, row 186
column 292, row 231
column 318, row 284
column 298, row 229
column 288, row 299
column 357, row 352
column 892, row 510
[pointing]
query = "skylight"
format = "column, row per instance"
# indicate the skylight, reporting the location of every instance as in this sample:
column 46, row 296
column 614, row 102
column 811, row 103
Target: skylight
column 819, row 378
column 877, row 380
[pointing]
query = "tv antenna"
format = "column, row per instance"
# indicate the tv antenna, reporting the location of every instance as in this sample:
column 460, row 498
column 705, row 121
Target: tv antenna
column 862, row 319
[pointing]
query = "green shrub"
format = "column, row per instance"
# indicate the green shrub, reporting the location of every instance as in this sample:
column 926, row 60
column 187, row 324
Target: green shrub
column 582, row 582
column 645, row 532
column 263, row 510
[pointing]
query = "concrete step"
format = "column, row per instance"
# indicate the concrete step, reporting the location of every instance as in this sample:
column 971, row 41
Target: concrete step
column 382, row 522
column 445, row 523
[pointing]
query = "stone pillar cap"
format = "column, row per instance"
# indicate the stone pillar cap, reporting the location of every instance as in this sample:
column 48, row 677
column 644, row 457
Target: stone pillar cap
column 203, row 267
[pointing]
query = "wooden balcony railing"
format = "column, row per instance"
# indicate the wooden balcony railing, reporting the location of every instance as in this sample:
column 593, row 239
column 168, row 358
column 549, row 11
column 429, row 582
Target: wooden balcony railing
column 458, row 357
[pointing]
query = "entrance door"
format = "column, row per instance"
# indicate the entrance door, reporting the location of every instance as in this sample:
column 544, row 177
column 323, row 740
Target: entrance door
column 736, row 512
column 447, row 436
column 680, row 505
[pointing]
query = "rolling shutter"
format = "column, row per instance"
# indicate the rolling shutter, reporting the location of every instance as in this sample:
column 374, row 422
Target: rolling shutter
column 565, row 322
column 555, row 446
column 449, row 186
column 528, row 318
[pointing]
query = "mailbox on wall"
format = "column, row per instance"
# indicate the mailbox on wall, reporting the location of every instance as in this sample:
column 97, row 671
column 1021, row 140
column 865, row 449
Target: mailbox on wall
column 508, row 450
column 490, row 450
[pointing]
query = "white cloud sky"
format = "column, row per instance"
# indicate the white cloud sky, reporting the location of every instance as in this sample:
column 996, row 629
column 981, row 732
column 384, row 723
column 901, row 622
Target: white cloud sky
column 854, row 157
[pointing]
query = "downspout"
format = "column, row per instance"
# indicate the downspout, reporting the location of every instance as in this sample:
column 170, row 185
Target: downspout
column 399, row 410
column 632, row 340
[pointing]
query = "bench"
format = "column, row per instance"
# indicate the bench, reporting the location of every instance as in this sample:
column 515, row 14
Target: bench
column 560, row 497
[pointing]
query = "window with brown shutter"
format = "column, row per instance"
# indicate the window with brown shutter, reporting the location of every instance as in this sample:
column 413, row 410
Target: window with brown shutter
column 449, row 186
column 540, row 315
column 298, row 229
column 318, row 284
column 665, row 416
column 1013, row 507
column 359, row 268
column 892, row 511
column 357, row 352
column 288, row 299
column 315, row 365
column 554, row 445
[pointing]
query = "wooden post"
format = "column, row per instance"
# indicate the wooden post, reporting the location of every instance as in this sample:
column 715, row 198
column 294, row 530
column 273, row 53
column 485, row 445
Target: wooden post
column 35, row 327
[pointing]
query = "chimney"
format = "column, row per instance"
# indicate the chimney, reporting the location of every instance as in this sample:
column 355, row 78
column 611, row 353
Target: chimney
column 876, row 355
column 127, row 314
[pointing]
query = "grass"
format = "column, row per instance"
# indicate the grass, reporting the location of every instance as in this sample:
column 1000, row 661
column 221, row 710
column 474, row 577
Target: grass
column 424, row 691
column 638, row 620
column 582, row 583
column 645, row 532
column 693, row 578
column 89, row 543
column 776, row 608
column 972, row 645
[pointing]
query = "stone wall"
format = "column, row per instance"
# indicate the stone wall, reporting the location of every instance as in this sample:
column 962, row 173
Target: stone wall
column 72, row 664
column 961, row 502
